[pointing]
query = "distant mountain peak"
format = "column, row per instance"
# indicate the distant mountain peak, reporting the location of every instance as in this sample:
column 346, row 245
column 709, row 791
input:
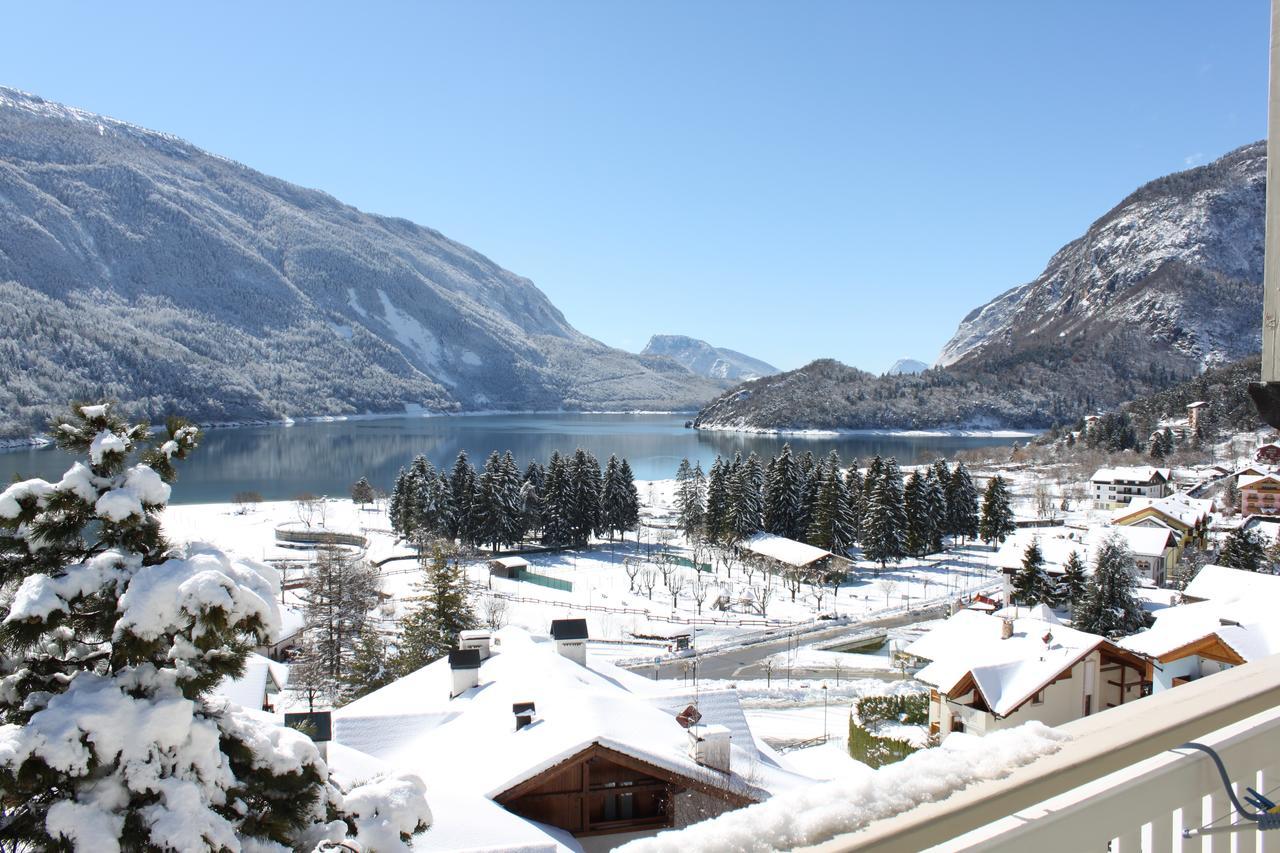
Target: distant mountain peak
column 711, row 362
column 907, row 365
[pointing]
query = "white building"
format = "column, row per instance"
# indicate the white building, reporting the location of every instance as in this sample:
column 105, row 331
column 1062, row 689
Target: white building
column 990, row 673
column 1154, row 552
column 1114, row 487
column 586, row 754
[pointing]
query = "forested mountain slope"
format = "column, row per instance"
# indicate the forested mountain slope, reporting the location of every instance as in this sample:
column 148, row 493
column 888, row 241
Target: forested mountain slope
column 134, row 265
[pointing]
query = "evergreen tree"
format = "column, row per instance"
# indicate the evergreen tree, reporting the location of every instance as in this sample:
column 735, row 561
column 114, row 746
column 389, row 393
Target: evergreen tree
column 857, row 498
column 746, row 501
column 362, row 492
column 496, row 507
column 691, row 499
column 369, row 668
column 783, row 496
column 614, row 498
column 875, row 471
column 1075, row 583
column 716, row 521
column 396, row 505
column 112, row 640
column 884, row 526
column 1110, row 607
column 631, row 497
column 555, row 503
column 934, row 501
column 1031, row 583
column 833, row 524
column 440, row 612
column 1244, row 549
column 422, row 503
column 962, row 504
column 583, row 496
column 339, row 593
column 997, row 516
column 809, row 479
column 919, row 525
column 462, row 487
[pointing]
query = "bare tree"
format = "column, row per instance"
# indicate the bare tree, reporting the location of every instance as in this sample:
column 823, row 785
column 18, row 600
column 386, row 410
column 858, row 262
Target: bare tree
column 764, row 593
column 838, row 666
column 887, row 587
column 632, row 566
column 729, row 558
column 768, row 671
column 819, row 593
column 493, row 610
column 648, row 580
column 791, row 579
column 749, row 568
column 306, row 505
column 1043, row 500
column 667, row 566
column 245, row 500
column 675, row 585
column 698, row 591
column 701, row 552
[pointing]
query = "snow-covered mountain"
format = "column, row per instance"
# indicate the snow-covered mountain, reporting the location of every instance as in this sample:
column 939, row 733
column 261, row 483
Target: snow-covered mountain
column 701, row 358
column 1166, row 283
column 907, row 365
column 1176, row 267
column 135, row 265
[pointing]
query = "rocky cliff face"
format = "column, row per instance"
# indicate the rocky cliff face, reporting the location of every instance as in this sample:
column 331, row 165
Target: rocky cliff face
column 702, row 359
column 1165, row 284
column 1177, row 264
column 135, row 265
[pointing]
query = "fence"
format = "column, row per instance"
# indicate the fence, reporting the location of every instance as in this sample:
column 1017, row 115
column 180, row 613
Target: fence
column 526, row 576
column 319, row 537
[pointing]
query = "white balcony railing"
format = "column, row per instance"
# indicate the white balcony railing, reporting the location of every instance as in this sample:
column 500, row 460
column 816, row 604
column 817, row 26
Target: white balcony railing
column 1121, row 784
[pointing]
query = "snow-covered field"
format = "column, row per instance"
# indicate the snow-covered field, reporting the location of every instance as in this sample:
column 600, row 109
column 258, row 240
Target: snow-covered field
column 616, row 606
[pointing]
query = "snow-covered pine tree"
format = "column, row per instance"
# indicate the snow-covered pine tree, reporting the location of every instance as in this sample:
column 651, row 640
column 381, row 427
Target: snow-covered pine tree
column 857, row 497
column 369, row 668
column 1244, row 549
column 809, row 479
column 584, row 496
column 631, row 496
column 833, row 524
column 422, row 505
column 933, row 497
column 997, row 516
column 783, row 496
column 555, row 503
column 716, row 520
column 362, row 492
column 746, row 499
column 339, row 593
column 1031, row 584
column 1110, row 607
column 1075, row 583
column 531, row 498
column 919, row 524
column 875, row 470
column 691, row 500
column 962, row 504
column 396, row 505
column 440, row 611
column 884, row 535
column 512, row 500
column 613, row 498
column 110, row 644
column 462, row 486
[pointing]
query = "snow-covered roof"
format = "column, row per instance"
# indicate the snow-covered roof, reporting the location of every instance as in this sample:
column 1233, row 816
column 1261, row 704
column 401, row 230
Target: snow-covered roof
column 1180, row 506
column 1220, row 583
column 1007, row 672
column 1056, row 548
column 784, row 550
column 1244, row 481
column 1248, row 626
column 470, row 742
column 250, row 689
column 1130, row 474
column 510, row 562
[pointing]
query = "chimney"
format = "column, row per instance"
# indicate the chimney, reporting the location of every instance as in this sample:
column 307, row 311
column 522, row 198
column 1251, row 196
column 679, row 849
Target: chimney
column 709, row 746
column 465, row 666
column 524, row 712
column 317, row 725
column 478, row 640
column 571, row 639
column 1006, row 629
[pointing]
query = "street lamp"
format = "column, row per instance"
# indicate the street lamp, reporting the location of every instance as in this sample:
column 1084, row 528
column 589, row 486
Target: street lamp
column 824, row 712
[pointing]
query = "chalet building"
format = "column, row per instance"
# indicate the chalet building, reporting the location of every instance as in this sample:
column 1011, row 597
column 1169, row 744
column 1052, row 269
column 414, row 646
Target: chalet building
column 1187, row 517
column 1259, row 493
column 988, row 673
column 1268, row 454
column 1154, row 549
column 555, row 738
column 788, row 555
column 1235, row 625
column 1116, row 487
column 1196, row 413
column 258, row 687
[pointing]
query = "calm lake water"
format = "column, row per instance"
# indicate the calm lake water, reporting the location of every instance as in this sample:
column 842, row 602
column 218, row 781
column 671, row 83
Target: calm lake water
column 327, row 457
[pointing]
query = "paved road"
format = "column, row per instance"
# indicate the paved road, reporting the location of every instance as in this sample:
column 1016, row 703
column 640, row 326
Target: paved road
column 746, row 662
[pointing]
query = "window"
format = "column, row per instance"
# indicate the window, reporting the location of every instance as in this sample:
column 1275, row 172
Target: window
column 1038, row 699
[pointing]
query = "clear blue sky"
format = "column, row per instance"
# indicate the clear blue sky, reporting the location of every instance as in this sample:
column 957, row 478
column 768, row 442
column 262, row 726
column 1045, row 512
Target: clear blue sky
column 794, row 180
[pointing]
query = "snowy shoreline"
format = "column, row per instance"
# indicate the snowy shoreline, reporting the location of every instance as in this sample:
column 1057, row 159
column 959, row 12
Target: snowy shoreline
column 827, row 433
column 40, row 442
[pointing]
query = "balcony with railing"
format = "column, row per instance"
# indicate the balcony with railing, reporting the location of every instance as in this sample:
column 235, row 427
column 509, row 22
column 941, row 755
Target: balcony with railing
column 1122, row 783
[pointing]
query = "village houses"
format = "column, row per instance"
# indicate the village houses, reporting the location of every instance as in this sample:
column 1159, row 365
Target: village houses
column 1116, row 487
